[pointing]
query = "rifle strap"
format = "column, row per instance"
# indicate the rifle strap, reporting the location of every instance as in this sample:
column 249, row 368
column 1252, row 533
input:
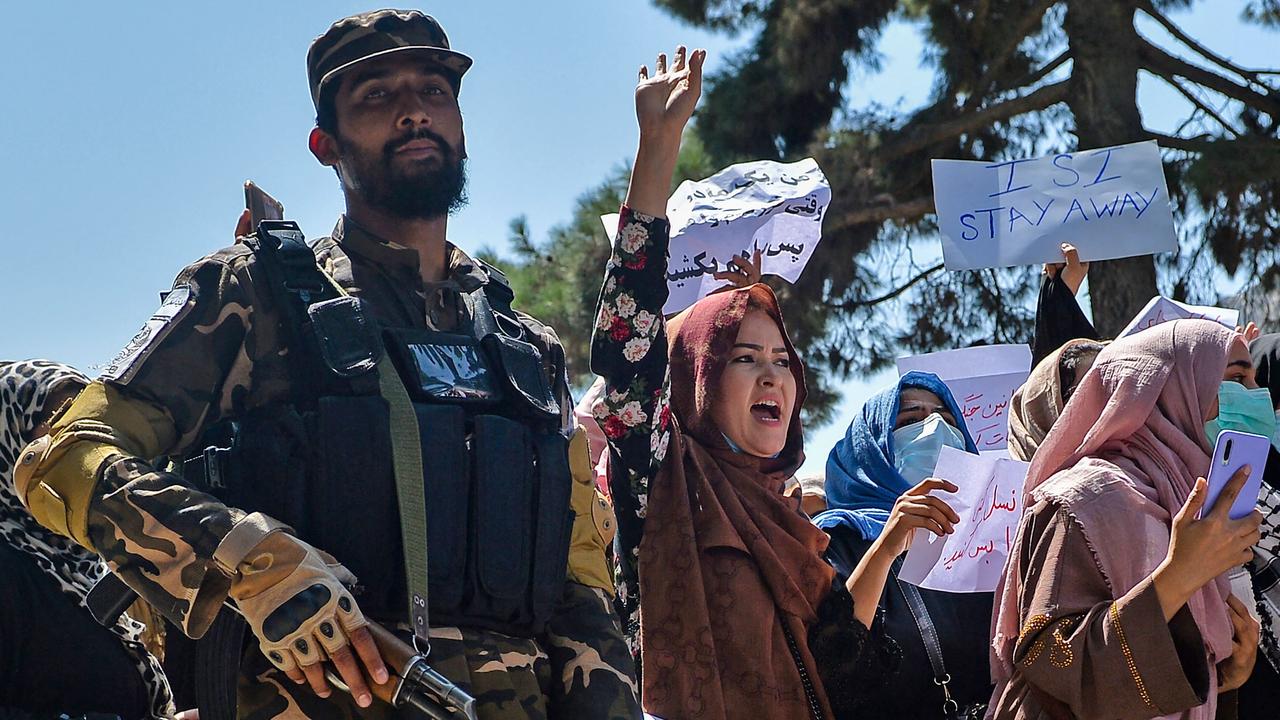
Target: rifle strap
column 406, row 458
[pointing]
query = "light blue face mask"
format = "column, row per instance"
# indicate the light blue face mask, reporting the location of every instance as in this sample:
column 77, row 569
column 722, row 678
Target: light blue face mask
column 916, row 447
column 1242, row 410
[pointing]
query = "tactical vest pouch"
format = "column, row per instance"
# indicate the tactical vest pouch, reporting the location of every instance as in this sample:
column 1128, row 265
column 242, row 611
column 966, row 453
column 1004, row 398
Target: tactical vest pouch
column 525, row 375
column 502, row 514
column 349, row 340
column 446, row 475
column 443, row 367
column 555, row 523
column 353, row 494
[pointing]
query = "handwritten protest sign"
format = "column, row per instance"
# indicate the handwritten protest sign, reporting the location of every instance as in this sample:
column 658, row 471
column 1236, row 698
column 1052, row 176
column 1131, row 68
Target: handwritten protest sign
column 989, row 504
column 1162, row 309
column 1110, row 203
column 983, row 380
column 775, row 207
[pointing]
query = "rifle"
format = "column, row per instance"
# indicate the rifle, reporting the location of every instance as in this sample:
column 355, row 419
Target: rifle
column 412, row 680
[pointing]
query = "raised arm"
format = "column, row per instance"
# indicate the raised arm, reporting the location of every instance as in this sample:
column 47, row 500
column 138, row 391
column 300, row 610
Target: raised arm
column 629, row 344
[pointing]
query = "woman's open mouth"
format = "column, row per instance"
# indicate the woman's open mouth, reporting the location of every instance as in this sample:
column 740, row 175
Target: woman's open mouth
column 767, row 411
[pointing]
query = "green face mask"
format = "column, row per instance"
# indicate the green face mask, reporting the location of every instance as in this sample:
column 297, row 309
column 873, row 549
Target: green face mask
column 1242, row 410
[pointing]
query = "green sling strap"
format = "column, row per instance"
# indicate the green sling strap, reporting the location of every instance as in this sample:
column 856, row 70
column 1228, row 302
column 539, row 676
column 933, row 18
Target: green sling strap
column 411, row 496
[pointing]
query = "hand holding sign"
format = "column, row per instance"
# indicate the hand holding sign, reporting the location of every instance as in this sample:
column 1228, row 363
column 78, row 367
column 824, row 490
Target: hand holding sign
column 988, row 504
column 764, row 206
column 918, row 509
column 1073, row 271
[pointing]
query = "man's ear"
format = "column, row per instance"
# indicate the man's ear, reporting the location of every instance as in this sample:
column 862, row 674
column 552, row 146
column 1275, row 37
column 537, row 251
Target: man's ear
column 324, row 146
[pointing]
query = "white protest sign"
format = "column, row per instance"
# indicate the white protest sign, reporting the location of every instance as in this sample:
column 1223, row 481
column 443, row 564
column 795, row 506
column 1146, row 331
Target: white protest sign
column 766, row 205
column 1110, row 203
column 1162, row 309
column 989, row 504
column 983, row 380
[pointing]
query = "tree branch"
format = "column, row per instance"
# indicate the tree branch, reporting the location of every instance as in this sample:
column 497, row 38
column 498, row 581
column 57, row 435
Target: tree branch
column 1045, row 69
column 1014, row 36
column 1195, row 145
column 1159, row 62
column 923, row 136
column 1254, row 75
column 878, row 214
column 1191, row 97
column 892, row 293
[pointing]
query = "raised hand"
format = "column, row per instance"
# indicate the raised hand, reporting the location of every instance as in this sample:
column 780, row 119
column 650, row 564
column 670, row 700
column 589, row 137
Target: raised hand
column 665, row 100
column 1250, row 332
column 1073, row 271
column 664, row 103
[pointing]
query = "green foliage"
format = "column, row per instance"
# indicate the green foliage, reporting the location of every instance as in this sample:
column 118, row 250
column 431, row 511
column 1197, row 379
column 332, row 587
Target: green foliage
column 1003, row 88
column 557, row 279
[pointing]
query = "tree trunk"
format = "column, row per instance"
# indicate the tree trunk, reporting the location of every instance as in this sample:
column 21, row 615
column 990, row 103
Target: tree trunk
column 1103, row 98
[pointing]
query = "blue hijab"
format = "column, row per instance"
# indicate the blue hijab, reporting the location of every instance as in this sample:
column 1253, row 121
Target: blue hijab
column 862, row 484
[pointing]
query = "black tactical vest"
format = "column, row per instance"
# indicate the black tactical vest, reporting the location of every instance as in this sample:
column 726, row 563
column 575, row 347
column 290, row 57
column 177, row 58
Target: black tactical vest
column 495, row 462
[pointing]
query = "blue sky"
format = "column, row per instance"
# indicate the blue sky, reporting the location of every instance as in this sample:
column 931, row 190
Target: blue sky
column 129, row 128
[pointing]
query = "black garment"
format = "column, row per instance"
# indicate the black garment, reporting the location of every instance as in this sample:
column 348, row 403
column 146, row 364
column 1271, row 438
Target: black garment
column 1259, row 697
column 1058, row 319
column 963, row 621
column 856, row 665
column 54, row 658
column 1266, row 359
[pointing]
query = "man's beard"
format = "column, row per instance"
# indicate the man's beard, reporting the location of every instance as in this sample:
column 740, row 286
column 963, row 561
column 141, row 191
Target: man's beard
column 427, row 189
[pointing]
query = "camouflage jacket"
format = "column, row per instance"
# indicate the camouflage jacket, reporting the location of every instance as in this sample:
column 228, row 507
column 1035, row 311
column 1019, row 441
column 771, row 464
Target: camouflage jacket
column 214, row 351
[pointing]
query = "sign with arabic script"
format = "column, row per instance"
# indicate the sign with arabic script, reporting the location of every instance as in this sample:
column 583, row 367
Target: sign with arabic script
column 1110, row 203
column 989, row 504
column 774, row 207
column 983, row 380
column 1162, row 309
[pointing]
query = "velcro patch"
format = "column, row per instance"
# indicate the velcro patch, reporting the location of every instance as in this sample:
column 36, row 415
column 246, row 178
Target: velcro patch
column 125, row 364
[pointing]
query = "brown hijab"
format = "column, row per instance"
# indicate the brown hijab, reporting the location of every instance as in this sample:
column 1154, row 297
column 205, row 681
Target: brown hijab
column 1038, row 403
column 726, row 560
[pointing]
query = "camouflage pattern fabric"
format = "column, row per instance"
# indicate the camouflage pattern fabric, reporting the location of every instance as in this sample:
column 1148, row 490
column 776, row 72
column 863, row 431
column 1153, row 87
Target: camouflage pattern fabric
column 583, row 673
column 215, row 352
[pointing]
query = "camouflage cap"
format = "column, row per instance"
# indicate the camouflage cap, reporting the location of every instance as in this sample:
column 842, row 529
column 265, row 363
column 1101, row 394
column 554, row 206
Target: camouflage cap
column 373, row 34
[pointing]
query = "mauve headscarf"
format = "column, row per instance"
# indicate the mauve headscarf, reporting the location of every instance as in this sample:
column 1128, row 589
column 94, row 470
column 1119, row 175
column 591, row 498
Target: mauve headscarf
column 1131, row 442
column 726, row 560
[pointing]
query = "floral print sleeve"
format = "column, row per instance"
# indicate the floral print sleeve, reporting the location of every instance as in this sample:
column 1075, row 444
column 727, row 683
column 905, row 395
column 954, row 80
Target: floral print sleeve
column 629, row 350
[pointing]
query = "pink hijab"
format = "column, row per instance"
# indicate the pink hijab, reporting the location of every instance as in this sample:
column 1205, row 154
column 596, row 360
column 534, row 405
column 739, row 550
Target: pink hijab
column 1126, row 452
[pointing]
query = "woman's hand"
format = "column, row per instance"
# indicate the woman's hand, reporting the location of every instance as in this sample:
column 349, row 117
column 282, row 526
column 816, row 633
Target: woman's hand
column 1073, row 271
column 1233, row 671
column 1250, row 332
column 1202, row 549
column 664, row 104
column 742, row 273
column 916, row 508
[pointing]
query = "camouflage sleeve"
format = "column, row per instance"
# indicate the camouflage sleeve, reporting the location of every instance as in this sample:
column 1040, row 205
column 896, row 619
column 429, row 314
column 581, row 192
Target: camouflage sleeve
column 90, row 478
column 592, row 673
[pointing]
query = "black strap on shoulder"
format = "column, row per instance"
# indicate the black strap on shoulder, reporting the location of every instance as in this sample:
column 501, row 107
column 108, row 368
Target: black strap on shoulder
column 932, row 645
column 295, row 282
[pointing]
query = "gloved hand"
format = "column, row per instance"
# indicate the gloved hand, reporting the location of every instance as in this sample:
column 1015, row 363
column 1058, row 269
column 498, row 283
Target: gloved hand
column 294, row 599
column 593, row 522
